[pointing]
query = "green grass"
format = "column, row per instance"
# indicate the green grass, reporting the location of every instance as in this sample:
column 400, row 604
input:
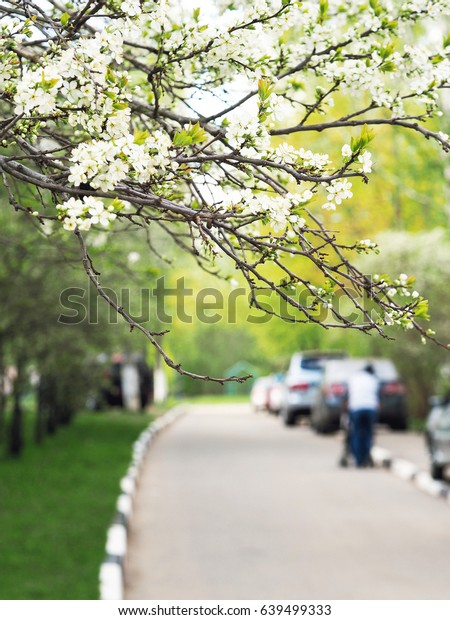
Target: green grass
column 416, row 424
column 56, row 504
column 217, row 398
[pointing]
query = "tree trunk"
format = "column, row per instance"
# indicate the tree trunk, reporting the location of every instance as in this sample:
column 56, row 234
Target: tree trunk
column 16, row 426
column 2, row 399
column 52, row 414
column 39, row 429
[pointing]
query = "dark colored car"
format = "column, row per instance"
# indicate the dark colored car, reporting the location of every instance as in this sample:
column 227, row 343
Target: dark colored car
column 437, row 437
column 331, row 396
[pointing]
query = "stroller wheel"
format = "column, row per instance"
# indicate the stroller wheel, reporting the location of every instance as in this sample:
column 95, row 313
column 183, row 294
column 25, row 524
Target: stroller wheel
column 343, row 461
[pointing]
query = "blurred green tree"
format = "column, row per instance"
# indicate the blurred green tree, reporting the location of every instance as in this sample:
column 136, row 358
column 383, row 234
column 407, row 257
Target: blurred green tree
column 427, row 254
column 51, row 325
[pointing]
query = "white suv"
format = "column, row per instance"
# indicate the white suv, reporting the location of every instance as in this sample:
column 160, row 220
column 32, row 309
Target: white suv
column 302, row 381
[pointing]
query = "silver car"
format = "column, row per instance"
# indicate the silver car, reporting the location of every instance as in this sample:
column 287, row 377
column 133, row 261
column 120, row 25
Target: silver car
column 437, row 437
column 259, row 395
column 301, row 383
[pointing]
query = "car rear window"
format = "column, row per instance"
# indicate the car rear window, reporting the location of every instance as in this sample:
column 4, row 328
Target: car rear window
column 311, row 363
column 318, row 362
column 385, row 370
column 342, row 370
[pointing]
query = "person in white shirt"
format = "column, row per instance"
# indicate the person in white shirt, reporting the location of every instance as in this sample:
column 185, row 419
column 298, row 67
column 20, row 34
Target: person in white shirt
column 362, row 404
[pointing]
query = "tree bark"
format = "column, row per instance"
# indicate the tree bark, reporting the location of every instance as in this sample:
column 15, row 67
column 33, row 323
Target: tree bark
column 39, row 429
column 2, row 397
column 16, row 439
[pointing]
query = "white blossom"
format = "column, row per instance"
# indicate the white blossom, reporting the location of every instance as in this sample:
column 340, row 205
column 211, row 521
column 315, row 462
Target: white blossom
column 218, row 114
column 346, row 151
column 339, row 190
column 365, row 159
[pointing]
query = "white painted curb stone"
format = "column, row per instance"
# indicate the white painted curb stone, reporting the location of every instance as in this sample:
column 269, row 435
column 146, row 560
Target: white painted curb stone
column 381, row 456
column 111, row 581
column 111, row 575
column 410, row 472
column 404, row 469
column 426, row 483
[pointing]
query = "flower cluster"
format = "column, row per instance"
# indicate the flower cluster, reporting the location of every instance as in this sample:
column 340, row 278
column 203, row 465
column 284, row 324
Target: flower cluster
column 277, row 211
column 399, row 286
column 12, row 31
column 247, row 134
column 82, row 214
column 219, row 109
column 366, row 245
column 338, row 190
column 404, row 316
column 77, row 83
column 302, row 158
column 103, row 164
column 131, row 7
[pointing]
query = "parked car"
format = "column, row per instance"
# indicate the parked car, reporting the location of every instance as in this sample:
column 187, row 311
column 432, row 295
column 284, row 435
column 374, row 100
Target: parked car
column 259, row 394
column 301, row 383
column 331, row 396
column 275, row 396
column 437, row 437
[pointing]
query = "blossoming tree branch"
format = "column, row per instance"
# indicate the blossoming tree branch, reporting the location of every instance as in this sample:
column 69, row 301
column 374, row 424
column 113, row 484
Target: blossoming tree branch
column 178, row 117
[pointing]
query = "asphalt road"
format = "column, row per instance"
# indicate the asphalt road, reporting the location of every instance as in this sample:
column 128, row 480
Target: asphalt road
column 232, row 505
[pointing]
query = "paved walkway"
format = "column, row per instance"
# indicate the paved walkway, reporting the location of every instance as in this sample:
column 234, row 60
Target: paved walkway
column 232, row 505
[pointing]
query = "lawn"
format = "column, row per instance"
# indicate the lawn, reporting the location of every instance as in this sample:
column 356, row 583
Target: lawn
column 56, row 504
column 217, row 399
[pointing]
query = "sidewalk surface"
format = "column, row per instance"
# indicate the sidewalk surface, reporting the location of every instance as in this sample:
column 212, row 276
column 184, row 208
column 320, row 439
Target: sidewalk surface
column 233, row 505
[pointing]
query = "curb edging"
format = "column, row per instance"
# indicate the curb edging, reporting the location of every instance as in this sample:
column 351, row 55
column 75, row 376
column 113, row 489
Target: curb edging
column 405, row 470
column 111, row 575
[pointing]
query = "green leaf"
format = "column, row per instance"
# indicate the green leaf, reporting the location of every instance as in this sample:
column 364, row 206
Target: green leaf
column 110, row 76
column 437, row 58
column 140, row 136
column 323, row 10
column 198, row 133
column 181, row 138
column 196, row 14
column 265, row 89
column 117, row 204
column 120, row 105
column 446, row 41
column 421, row 310
column 387, row 51
column 376, row 7
column 389, row 25
column 48, row 84
column 358, row 144
column 388, row 67
column 329, row 286
column 193, row 134
column 65, row 19
column 296, row 85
